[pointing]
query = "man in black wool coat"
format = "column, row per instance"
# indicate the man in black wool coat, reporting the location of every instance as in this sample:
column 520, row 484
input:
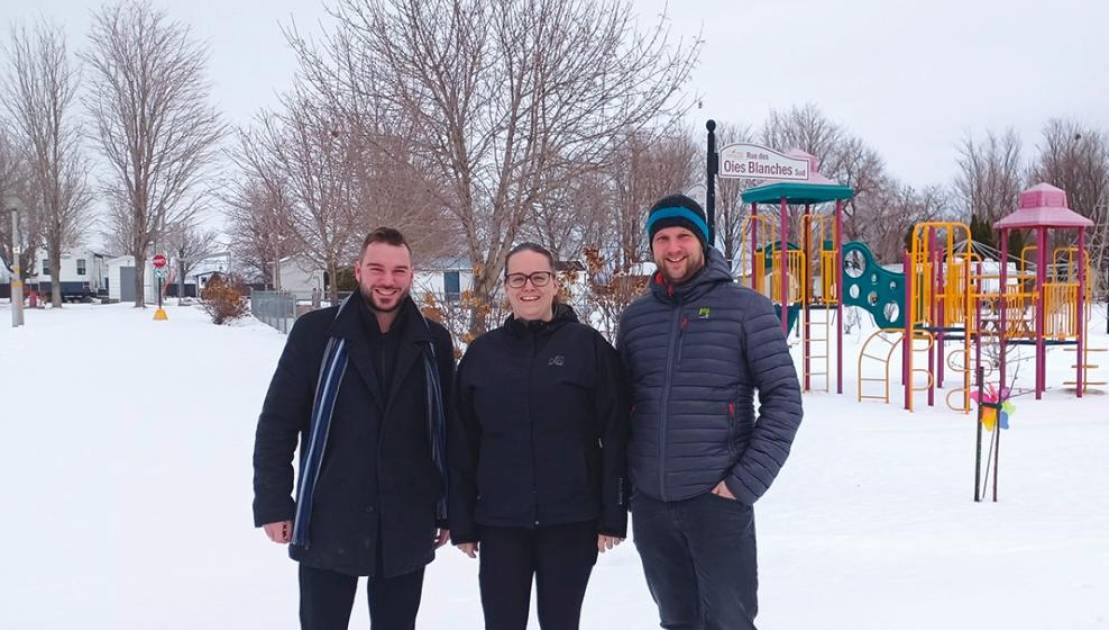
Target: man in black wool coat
column 362, row 387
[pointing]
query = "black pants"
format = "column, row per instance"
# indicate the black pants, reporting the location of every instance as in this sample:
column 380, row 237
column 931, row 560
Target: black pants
column 699, row 560
column 326, row 598
column 560, row 557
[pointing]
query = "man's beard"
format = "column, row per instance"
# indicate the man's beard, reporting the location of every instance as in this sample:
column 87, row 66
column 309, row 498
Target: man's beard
column 368, row 296
column 691, row 269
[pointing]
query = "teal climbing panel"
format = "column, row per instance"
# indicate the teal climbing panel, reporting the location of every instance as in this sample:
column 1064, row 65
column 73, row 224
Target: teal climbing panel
column 868, row 285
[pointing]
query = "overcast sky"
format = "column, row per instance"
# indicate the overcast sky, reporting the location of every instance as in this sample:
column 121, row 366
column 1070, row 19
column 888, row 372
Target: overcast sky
column 909, row 77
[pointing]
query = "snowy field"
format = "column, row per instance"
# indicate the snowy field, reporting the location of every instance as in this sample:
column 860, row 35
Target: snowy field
column 127, row 487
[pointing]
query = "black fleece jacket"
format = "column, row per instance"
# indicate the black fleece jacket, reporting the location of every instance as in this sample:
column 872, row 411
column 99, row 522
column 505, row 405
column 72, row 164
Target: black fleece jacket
column 540, row 430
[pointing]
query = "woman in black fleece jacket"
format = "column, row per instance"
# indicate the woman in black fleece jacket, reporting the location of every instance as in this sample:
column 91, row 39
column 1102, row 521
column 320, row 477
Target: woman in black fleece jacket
column 537, row 452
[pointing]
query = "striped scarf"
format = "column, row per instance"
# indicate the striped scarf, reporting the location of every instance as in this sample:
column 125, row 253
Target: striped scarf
column 332, row 369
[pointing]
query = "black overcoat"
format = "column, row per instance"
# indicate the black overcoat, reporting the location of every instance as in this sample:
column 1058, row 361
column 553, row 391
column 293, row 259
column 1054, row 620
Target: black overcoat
column 369, row 485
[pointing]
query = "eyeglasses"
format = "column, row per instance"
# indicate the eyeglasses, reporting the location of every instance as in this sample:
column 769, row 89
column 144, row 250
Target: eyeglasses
column 518, row 280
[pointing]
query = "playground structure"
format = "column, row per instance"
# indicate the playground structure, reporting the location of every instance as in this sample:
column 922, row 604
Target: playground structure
column 804, row 279
column 954, row 295
column 952, row 301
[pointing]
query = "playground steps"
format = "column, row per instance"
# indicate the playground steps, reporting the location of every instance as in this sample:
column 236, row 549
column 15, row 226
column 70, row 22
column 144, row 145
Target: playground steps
column 1086, row 367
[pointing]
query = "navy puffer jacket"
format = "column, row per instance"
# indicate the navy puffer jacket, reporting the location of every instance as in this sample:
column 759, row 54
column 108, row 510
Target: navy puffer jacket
column 694, row 354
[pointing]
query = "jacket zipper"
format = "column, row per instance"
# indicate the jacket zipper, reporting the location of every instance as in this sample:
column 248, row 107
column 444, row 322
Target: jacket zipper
column 664, row 414
column 731, row 427
column 682, row 325
column 531, row 430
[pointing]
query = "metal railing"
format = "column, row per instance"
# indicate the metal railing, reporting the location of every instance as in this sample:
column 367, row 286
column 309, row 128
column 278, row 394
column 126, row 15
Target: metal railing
column 275, row 308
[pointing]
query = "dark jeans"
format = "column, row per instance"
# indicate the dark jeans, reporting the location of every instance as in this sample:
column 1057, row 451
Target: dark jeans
column 326, row 598
column 560, row 557
column 699, row 560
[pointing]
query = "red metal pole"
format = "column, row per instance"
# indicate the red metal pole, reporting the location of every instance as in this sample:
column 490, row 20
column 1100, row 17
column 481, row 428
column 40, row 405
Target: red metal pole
column 783, row 284
column 932, row 282
column 1081, row 362
column 756, row 284
column 1003, row 305
column 977, row 323
column 1041, row 282
column 806, row 331
column 839, row 294
column 907, row 338
column 941, row 313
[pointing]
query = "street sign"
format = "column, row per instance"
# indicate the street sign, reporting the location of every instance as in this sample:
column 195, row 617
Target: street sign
column 159, row 261
column 752, row 161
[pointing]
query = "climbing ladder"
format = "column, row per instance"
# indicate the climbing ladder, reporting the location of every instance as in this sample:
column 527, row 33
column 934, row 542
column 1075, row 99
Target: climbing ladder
column 817, row 351
column 1086, row 367
column 879, row 348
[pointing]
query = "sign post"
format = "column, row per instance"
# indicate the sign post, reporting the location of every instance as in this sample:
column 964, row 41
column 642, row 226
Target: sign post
column 17, row 271
column 160, row 273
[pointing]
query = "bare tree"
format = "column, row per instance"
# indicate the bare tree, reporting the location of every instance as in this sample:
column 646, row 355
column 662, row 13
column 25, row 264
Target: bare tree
column 649, row 166
column 15, row 184
column 190, row 244
column 990, row 175
column 149, row 100
column 116, row 226
column 1076, row 159
column 885, row 215
column 302, row 153
column 505, row 101
column 806, row 128
column 259, row 227
column 41, row 84
column 842, row 156
column 605, row 210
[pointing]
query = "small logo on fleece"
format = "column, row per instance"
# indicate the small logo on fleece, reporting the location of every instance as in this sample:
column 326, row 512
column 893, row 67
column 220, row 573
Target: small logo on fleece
column 704, row 312
column 557, row 359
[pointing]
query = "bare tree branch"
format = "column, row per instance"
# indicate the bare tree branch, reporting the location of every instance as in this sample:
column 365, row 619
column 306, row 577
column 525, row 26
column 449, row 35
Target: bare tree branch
column 506, row 102
column 149, row 100
column 41, row 85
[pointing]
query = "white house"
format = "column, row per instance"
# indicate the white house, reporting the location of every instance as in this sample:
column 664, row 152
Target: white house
column 203, row 271
column 444, row 278
column 300, row 275
column 83, row 274
column 121, row 280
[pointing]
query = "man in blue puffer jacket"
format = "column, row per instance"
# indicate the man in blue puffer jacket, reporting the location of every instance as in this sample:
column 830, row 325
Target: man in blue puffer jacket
column 696, row 348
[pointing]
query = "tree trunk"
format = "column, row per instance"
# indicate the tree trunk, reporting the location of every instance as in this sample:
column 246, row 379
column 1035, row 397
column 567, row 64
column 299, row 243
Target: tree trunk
column 140, row 276
column 180, row 279
column 332, row 284
column 55, row 257
column 276, row 271
column 485, row 284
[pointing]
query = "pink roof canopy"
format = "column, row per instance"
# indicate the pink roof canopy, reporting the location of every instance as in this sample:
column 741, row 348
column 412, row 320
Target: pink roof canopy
column 1043, row 205
column 815, row 177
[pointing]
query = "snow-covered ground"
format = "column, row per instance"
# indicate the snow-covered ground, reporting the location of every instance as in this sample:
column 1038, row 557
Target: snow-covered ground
column 127, row 486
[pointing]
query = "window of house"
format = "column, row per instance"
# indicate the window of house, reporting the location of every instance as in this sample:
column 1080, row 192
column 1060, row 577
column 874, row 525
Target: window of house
column 46, row 266
column 80, row 266
column 452, row 285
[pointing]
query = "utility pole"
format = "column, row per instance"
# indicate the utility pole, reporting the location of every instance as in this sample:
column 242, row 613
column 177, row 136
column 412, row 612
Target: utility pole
column 17, row 272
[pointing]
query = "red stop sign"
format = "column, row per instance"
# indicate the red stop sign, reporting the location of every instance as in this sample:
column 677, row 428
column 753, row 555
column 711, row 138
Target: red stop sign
column 159, row 261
